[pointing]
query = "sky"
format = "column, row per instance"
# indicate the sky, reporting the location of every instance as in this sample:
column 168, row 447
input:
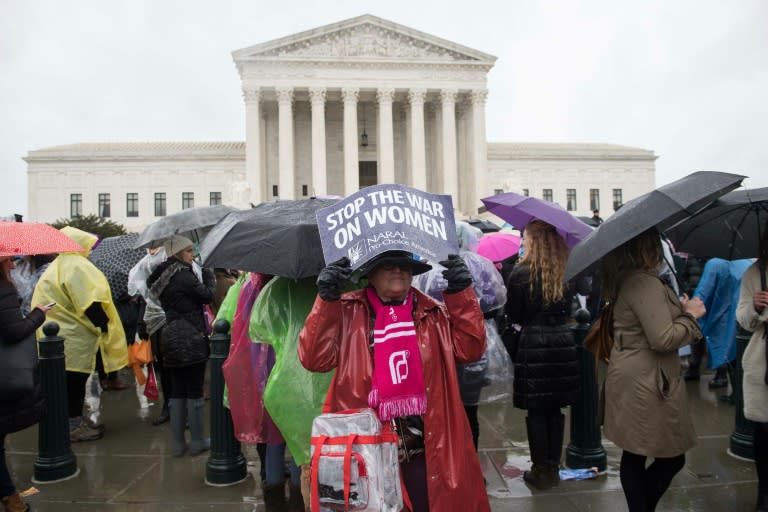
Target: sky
column 687, row 79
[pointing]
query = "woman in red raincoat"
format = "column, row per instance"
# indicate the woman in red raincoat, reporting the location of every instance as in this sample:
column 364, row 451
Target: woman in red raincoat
column 442, row 471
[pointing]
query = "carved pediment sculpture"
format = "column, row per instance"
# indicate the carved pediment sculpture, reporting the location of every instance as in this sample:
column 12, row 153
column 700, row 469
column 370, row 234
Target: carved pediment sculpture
column 366, row 41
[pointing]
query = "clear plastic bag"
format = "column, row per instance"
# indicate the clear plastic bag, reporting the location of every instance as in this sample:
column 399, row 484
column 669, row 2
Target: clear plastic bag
column 500, row 369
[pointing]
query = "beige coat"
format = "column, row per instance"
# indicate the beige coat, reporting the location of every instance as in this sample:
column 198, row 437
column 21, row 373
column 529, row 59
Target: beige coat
column 755, row 389
column 646, row 406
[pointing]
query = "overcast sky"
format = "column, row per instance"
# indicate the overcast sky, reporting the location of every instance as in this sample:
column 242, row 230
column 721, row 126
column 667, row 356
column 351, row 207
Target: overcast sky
column 687, row 79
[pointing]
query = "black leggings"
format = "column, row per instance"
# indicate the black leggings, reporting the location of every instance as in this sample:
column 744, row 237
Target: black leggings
column 187, row 382
column 474, row 424
column 76, row 393
column 760, row 441
column 644, row 487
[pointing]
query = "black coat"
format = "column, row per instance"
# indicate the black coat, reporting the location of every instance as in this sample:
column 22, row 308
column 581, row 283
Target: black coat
column 546, row 360
column 15, row 328
column 183, row 341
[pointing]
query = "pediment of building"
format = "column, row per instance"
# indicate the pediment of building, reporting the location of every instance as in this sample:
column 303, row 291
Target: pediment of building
column 364, row 38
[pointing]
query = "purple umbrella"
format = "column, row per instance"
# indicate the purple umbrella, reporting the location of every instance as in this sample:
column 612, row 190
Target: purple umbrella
column 520, row 210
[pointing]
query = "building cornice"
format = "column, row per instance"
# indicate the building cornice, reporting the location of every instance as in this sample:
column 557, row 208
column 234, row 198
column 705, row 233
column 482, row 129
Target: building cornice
column 138, row 151
column 566, row 151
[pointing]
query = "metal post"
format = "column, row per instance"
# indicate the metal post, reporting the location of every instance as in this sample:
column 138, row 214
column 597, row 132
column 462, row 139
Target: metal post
column 743, row 436
column 55, row 460
column 226, row 463
column 585, row 449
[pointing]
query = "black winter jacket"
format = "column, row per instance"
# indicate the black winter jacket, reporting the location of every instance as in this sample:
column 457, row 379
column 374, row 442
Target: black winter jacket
column 546, row 360
column 182, row 296
column 15, row 328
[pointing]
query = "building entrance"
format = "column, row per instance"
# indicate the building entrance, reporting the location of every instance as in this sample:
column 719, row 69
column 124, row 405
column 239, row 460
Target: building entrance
column 367, row 174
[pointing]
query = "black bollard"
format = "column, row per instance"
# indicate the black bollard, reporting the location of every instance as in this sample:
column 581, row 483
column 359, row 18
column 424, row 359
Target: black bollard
column 55, row 460
column 226, row 463
column 743, row 436
column 585, row 449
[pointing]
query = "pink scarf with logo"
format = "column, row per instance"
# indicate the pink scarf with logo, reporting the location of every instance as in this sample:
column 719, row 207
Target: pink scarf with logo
column 398, row 385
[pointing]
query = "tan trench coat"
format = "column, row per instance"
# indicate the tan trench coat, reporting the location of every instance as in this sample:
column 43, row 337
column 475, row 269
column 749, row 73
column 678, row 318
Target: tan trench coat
column 646, row 406
column 755, row 390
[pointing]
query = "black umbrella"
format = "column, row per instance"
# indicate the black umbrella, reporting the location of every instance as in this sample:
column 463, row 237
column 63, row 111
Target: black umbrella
column 730, row 228
column 660, row 208
column 483, row 225
column 279, row 238
column 115, row 257
column 191, row 221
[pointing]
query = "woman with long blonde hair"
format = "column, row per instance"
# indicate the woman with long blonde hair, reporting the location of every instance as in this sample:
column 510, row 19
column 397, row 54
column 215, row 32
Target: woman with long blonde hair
column 546, row 367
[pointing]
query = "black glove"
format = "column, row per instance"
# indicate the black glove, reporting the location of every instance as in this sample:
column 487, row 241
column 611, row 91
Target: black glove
column 456, row 273
column 209, row 278
column 332, row 278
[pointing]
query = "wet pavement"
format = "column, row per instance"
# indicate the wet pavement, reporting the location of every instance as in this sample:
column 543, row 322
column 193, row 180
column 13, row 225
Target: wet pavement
column 130, row 469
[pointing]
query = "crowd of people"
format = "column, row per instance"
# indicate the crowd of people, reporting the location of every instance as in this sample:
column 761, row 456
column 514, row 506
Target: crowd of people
column 446, row 326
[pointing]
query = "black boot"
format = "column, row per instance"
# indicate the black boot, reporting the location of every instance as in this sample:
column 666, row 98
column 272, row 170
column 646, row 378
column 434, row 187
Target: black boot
column 556, row 430
column 164, row 415
column 274, row 497
column 540, row 475
column 720, row 380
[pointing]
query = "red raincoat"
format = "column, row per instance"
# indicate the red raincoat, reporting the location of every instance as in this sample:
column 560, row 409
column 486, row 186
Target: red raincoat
column 336, row 336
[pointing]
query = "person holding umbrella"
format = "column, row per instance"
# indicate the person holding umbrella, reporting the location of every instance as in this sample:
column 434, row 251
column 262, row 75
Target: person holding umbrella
column 546, row 374
column 646, row 407
column 18, row 414
column 752, row 314
column 345, row 332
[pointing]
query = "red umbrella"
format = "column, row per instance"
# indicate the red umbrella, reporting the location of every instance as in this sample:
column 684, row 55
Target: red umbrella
column 22, row 238
column 498, row 246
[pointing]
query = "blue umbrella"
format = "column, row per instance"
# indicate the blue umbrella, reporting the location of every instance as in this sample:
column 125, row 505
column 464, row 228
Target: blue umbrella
column 519, row 210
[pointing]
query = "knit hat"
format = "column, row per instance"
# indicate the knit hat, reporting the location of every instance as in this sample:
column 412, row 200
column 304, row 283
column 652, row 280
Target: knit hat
column 176, row 244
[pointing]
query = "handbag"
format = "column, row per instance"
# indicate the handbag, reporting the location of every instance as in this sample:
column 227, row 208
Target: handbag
column 599, row 339
column 19, row 372
column 150, row 390
column 140, row 352
column 354, row 463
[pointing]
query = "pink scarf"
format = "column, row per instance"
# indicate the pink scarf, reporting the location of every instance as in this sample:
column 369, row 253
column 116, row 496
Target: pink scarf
column 398, row 385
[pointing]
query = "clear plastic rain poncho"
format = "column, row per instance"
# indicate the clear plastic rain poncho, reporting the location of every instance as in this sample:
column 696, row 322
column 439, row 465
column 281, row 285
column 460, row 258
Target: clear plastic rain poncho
column 293, row 396
column 247, row 369
column 494, row 369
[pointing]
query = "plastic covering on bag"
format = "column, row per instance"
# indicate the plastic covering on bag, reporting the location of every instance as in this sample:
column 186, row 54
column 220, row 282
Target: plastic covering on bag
column 246, row 371
column 293, row 395
column 500, row 368
column 487, row 281
column 468, row 236
column 154, row 316
column 372, row 468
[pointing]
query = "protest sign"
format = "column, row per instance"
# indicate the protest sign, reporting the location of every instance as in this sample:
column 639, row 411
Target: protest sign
column 388, row 217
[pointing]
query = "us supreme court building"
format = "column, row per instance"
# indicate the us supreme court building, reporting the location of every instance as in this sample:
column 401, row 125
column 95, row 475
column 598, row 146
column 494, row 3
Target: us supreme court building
column 329, row 111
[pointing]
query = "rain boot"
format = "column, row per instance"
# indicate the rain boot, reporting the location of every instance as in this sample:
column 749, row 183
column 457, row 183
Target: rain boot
column 178, row 412
column 556, row 430
column 14, row 503
column 720, row 380
column 195, row 413
column 295, row 499
column 539, row 476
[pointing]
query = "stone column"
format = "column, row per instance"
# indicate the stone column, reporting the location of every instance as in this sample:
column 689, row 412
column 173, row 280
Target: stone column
column 385, row 96
column 319, row 177
column 479, row 150
column 253, row 172
column 418, row 151
column 287, row 180
column 449, row 144
column 351, row 165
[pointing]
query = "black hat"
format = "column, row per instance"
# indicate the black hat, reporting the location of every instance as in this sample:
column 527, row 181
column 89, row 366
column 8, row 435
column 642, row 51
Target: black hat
column 403, row 259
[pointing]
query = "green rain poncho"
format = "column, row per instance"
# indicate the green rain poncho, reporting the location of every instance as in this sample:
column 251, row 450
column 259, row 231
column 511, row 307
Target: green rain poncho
column 227, row 312
column 74, row 283
column 293, row 396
